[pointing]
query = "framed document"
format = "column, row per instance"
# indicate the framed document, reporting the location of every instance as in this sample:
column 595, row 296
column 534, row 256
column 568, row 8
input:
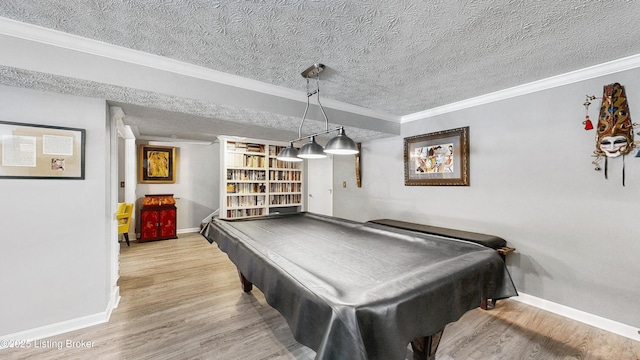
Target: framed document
column 30, row 151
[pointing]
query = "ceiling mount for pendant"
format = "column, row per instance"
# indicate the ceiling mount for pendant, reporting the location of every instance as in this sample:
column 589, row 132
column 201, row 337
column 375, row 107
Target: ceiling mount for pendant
column 313, row 71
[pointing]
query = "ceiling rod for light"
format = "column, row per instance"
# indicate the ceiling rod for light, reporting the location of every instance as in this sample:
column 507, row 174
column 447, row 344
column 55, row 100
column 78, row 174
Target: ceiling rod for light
column 339, row 145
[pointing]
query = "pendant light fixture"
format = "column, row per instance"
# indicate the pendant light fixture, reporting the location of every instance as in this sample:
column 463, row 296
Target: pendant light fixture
column 312, row 150
column 339, row 145
column 289, row 154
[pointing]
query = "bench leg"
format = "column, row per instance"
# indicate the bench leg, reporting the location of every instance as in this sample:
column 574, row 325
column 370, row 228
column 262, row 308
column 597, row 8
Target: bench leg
column 488, row 304
column 424, row 348
column 247, row 286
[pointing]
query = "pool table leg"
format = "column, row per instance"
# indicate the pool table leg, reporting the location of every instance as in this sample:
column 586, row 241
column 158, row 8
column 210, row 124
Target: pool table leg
column 424, row 348
column 488, row 304
column 247, row 286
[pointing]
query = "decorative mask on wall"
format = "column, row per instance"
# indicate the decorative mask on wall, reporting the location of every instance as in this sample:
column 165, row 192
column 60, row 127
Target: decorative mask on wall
column 614, row 131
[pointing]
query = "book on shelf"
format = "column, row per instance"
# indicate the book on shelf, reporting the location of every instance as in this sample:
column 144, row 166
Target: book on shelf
column 232, row 145
column 275, row 150
column 234, row 159
column 245, row 147
column 257, row 148
column 243, row 160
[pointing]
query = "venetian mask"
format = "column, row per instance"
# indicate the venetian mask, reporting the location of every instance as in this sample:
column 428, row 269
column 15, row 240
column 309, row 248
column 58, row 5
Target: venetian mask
column 614, row 130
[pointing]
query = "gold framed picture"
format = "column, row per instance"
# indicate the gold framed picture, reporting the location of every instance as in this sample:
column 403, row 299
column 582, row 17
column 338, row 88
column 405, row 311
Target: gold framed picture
column 157, row 164
column 439, row 158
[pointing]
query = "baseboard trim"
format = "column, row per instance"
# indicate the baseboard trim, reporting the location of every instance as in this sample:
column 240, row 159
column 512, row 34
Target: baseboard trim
column 581, row 316
column 64, row 326
column 113, row 302
column 190, row 230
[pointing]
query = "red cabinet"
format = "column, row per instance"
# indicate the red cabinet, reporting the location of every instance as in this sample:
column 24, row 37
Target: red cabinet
column 158, row 218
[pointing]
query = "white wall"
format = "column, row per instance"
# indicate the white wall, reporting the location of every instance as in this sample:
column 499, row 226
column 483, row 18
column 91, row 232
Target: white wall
column 532, row 183
column 197, row 184
column 55, row 256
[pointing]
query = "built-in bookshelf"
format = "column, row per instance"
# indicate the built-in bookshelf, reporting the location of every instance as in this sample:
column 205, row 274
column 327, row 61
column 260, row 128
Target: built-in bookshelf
column 254, row 183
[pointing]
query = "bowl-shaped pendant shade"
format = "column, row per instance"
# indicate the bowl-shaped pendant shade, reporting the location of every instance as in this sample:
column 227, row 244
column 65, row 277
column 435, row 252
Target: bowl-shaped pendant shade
column 341, row 145
column 289, row 154
column 312, row 150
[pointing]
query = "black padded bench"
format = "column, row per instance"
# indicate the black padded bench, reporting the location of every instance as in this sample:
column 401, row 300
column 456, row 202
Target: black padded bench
column 491, row 241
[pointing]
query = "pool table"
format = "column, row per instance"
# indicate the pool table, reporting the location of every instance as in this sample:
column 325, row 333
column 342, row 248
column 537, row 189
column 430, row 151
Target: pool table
column 359, row 291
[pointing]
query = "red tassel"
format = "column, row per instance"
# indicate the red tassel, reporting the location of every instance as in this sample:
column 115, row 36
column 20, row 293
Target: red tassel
column 587, row 123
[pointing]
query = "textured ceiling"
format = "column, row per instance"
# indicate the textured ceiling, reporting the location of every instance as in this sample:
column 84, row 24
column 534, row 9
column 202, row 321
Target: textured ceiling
column 393, row 57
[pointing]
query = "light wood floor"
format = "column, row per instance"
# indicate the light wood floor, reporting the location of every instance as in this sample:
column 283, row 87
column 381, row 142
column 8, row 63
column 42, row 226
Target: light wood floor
column 181, row 299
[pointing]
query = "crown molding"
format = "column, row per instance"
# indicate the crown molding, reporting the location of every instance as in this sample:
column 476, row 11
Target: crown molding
column 627, row 63
column 98, row 48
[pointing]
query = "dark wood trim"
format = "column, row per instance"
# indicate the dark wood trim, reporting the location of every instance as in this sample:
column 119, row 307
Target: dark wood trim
column 424, row 348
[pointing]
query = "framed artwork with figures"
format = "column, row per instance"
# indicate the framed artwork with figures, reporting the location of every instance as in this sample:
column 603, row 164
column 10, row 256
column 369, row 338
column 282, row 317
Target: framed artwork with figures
column 438, row 158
